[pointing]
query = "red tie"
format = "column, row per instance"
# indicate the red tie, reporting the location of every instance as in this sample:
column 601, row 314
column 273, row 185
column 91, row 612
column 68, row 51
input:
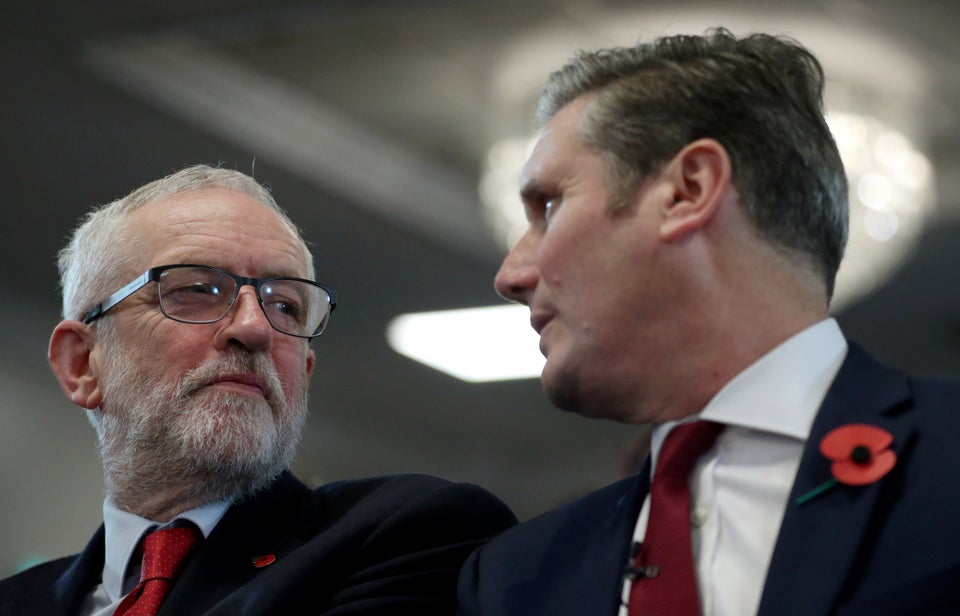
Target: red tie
column 165, row 553
column 664, row 581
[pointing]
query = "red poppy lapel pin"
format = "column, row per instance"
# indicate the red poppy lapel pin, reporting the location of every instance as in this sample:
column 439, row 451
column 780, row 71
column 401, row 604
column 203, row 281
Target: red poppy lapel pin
column 260, row 562
column 860, row 455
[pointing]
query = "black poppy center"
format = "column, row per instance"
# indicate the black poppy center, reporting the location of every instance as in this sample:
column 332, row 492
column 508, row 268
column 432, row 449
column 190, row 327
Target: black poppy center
column 860, row 454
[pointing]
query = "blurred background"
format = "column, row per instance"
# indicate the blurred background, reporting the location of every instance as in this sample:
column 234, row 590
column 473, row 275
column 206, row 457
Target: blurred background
column 391, row 130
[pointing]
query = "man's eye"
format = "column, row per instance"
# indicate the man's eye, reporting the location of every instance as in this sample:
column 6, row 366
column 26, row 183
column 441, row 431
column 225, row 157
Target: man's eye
column 286, row 308
column 195, row 288
column 550, row 207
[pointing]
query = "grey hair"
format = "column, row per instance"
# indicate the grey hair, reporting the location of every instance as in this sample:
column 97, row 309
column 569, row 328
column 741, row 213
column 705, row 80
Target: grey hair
column 760, row 97
column 98, row 255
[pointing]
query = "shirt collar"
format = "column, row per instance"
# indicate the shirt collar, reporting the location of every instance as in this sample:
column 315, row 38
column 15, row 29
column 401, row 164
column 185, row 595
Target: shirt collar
column 782, row 391
column 124, row 530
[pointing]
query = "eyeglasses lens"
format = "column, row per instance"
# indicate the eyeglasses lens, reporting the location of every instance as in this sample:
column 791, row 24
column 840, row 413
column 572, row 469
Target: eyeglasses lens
column 205, row 295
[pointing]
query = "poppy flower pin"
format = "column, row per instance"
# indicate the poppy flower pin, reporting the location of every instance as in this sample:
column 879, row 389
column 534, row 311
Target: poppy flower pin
column 860, row 455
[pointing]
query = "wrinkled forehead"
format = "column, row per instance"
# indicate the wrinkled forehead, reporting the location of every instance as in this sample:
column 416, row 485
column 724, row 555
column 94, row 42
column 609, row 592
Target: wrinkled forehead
column 216, row 224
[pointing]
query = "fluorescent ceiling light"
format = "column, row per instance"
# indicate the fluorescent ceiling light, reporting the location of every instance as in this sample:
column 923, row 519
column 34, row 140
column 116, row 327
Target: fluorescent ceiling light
column 472, row 344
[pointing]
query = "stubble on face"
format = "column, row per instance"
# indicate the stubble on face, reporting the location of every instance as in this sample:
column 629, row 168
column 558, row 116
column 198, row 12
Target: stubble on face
column 591, row 272
column 195, row 443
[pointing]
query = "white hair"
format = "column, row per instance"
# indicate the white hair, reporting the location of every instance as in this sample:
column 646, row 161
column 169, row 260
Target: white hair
column 98, row 253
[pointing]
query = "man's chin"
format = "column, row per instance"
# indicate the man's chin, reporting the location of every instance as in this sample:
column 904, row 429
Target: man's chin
column 233, row 478
column 558, row 386
column 243, row 464
column 567, row 391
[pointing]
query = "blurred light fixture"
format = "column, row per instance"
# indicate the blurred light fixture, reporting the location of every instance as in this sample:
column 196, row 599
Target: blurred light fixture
column 891, row 196
column 472, row 344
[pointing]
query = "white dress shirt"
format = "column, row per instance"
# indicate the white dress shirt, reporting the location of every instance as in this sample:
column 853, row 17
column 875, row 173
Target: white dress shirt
column 123, row 532
column 739, row 488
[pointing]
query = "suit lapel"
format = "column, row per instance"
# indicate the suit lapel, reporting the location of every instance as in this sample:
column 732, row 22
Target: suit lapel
column 80, row 578
column 592, row 573
column 611, row 556
column 820, row 539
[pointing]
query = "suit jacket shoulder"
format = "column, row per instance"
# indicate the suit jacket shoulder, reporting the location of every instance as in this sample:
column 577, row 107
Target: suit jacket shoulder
column 568, row 561
column 386, row 545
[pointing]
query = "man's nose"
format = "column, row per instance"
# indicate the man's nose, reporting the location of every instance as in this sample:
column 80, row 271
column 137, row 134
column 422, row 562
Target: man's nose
column 518, row 275
column 247, row 324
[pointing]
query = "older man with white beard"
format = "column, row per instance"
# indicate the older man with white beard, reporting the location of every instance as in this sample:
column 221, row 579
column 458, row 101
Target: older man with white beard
column 189, row 307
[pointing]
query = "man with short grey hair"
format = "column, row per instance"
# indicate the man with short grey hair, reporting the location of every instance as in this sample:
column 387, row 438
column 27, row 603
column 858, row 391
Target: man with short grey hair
column 189, row 308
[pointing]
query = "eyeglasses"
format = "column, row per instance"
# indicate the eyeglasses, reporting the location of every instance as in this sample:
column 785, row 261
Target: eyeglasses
column 204, row 294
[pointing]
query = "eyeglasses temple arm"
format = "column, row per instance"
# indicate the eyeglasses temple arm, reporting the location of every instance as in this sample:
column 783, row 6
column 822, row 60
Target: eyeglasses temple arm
column 100, row 309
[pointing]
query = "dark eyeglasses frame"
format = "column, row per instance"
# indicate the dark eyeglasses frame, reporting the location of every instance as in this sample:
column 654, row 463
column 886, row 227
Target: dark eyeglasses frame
column 153, row 275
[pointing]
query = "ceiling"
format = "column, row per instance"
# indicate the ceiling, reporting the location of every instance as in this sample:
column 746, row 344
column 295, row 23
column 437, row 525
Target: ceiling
column 370, row 121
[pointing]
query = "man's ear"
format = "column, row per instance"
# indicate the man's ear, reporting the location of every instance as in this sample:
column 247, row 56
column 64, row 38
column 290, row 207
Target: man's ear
column 700, row 174
column 69, row 354
column 311, row 360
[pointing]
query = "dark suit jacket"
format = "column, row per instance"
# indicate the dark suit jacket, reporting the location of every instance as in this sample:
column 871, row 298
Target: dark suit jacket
column 387, row 545
column 892, row 547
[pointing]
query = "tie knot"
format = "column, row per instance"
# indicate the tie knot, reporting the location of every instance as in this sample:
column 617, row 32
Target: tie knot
column 683, row 445
column 165, row 551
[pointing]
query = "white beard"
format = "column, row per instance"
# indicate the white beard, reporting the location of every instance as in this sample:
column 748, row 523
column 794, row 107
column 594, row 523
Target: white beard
column 202, row 444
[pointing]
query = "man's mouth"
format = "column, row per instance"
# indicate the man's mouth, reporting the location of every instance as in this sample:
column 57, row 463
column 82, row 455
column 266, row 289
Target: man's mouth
column 249, row 384
column 539, row 320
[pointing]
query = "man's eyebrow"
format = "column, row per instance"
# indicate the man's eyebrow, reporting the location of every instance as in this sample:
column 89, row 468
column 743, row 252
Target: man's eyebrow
column 531, row 190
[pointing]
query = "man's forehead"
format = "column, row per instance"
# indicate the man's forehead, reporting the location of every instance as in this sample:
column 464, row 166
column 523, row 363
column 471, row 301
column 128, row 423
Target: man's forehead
column 559, row 139
column 542, row 157
column 229, row 209
column 208, row 219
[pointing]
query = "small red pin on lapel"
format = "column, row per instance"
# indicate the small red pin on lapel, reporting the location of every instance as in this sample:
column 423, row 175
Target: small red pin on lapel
column 262, row 561
column 860, row 455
